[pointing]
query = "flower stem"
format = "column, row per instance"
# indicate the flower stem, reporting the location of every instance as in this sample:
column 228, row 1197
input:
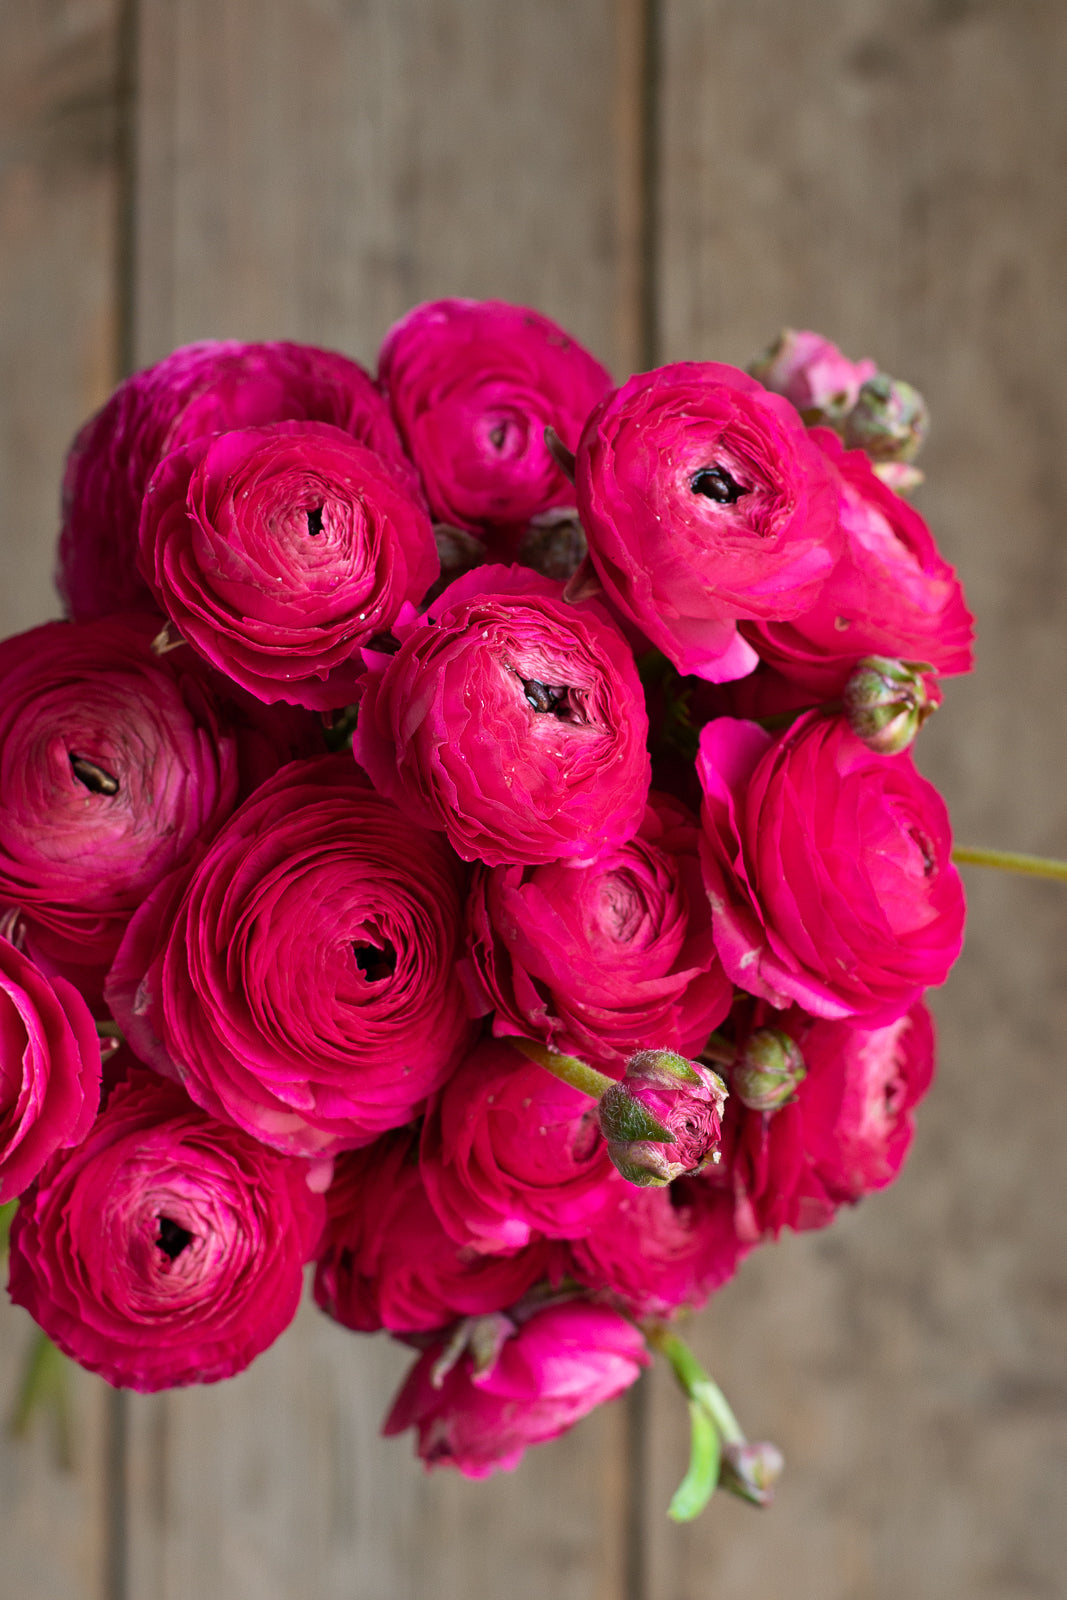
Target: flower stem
column 586, row 1079
column 1011, row 861
column 695, row 1382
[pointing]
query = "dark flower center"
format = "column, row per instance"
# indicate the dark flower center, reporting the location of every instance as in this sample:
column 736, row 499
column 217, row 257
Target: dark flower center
column 374, row 963
column 497, row 435
column 95, row 779
column 715, row 483
column 173, row 1238
column 314, row 517
column 545, row 698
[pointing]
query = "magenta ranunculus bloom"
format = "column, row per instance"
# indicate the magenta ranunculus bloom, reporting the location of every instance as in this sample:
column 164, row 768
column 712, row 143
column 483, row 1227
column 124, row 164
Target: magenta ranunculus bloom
column 115, row 764
column 655, row 1250
column 167, row 1248
column 509, row 1153
column 386, row 1261
column 704, row 501
column 828, row 868
column 198, row 390
column 844, row 1133
column 49, row 1069
column 511, row 719
column 301, row 979
column 558, row 1365
column 600, row 959
column 891, row 594
column 279, row 552
column 812, row 373
column 473, row 386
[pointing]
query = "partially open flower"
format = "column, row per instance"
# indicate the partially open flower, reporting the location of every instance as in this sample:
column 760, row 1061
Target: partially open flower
column 664, row 1119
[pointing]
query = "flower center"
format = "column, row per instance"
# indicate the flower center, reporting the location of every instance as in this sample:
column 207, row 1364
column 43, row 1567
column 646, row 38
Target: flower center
column 94, row 778
column 546, row 698
column 374, row 963
column 715, row 483
column 173, row 1238
column 314, row 517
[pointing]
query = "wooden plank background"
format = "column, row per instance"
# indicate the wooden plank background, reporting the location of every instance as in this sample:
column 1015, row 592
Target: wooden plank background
column 674, row 179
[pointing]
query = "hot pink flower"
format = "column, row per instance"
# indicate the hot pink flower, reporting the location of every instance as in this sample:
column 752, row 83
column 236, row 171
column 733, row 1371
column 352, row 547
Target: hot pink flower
column 301, row 980
column 167, row 1248
column 386, row 1260
column 196, row 391
column 473, row 385
column 49, row 1069
column 279, row 552
column 510, row 719
column 557, row 1366
column 510, row 1153
column 704, row 501
column 599, row 959
column 828, row 868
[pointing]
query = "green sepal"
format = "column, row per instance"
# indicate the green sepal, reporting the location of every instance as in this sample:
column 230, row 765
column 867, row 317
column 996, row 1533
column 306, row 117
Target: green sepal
column 702, row 1475
column 624, row 1120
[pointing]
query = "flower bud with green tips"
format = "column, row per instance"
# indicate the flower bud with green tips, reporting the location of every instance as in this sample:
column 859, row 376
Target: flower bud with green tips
column 664, row 1119
column 889, row 420
column 766, row 1073
column 887, row 702
column 751, row 1470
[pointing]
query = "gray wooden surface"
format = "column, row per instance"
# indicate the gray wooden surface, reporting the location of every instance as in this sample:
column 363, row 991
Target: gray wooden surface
column 887, row 170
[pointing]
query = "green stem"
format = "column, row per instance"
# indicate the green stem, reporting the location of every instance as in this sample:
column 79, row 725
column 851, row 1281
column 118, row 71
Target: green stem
column 1011, row 861
column 695, row 1382
column 719, row 1051
column 44, row 1387
column 587, row 1080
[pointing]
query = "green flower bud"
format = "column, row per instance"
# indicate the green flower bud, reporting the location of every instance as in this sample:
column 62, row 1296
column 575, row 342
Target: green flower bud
column 664, row 1118
column 751, row 1471
column 887, row 702
column 768, row 1070
column 889, row 420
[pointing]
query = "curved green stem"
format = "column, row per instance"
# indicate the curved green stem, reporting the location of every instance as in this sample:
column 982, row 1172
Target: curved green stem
column 1011, row 861
column 695, row 1382
column 586, row 1079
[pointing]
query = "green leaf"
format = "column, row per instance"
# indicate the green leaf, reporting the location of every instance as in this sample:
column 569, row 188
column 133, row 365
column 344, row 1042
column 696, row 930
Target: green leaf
column 698, row 1485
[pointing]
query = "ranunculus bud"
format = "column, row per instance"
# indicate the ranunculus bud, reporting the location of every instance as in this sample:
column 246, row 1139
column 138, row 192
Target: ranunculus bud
column 751, row 1470
column 887, row 702
column 822, row 383
column 766, row 1074
column 889, row 420
column 554, row 543
column 663, row 1119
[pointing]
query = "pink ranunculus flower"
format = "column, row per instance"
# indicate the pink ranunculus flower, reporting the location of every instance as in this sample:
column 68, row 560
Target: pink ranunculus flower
column 812, row 373
column 828, row 868
column 845, row 1131
column 115, row 765
column 198, row 390
column 386, row 1261
column 704, row 501
column 656, row 1250
column 473, row 385
column 510, row 719
column 279, row 552
column 300, row 980
column 167, row 1248
column 509, row 1153
column 598, row 959
column 891, row 594
column 554, row 1369
column 49, row 1068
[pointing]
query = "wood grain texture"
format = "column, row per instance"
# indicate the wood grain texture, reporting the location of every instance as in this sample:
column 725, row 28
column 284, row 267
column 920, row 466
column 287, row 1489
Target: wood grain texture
column 891, row 174
column 310, row 170
column 57, row 202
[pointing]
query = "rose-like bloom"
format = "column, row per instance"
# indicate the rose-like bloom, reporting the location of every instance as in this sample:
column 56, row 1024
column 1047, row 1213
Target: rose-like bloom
column 655, row 1250
column 558, row 1365
column 49, row 1068
column 599, row 958
column 663, row 1118
column 510, row 719
column 473, row 386
column 811, row 372
column 510, row 1153
column 891, row 594
column 704, row 500
column 828, row 869
column 115, row 764
column 387, row 1262
column 300, row 980
column 845, row 1132
column 167, row 1248
column 198, row 390
column 279, row 552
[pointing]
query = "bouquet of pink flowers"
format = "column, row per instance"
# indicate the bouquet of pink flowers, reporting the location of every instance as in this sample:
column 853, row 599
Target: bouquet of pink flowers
column 465, row 837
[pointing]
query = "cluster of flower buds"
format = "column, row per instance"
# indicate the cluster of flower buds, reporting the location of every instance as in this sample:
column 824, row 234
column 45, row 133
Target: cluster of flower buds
column 477, row 797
